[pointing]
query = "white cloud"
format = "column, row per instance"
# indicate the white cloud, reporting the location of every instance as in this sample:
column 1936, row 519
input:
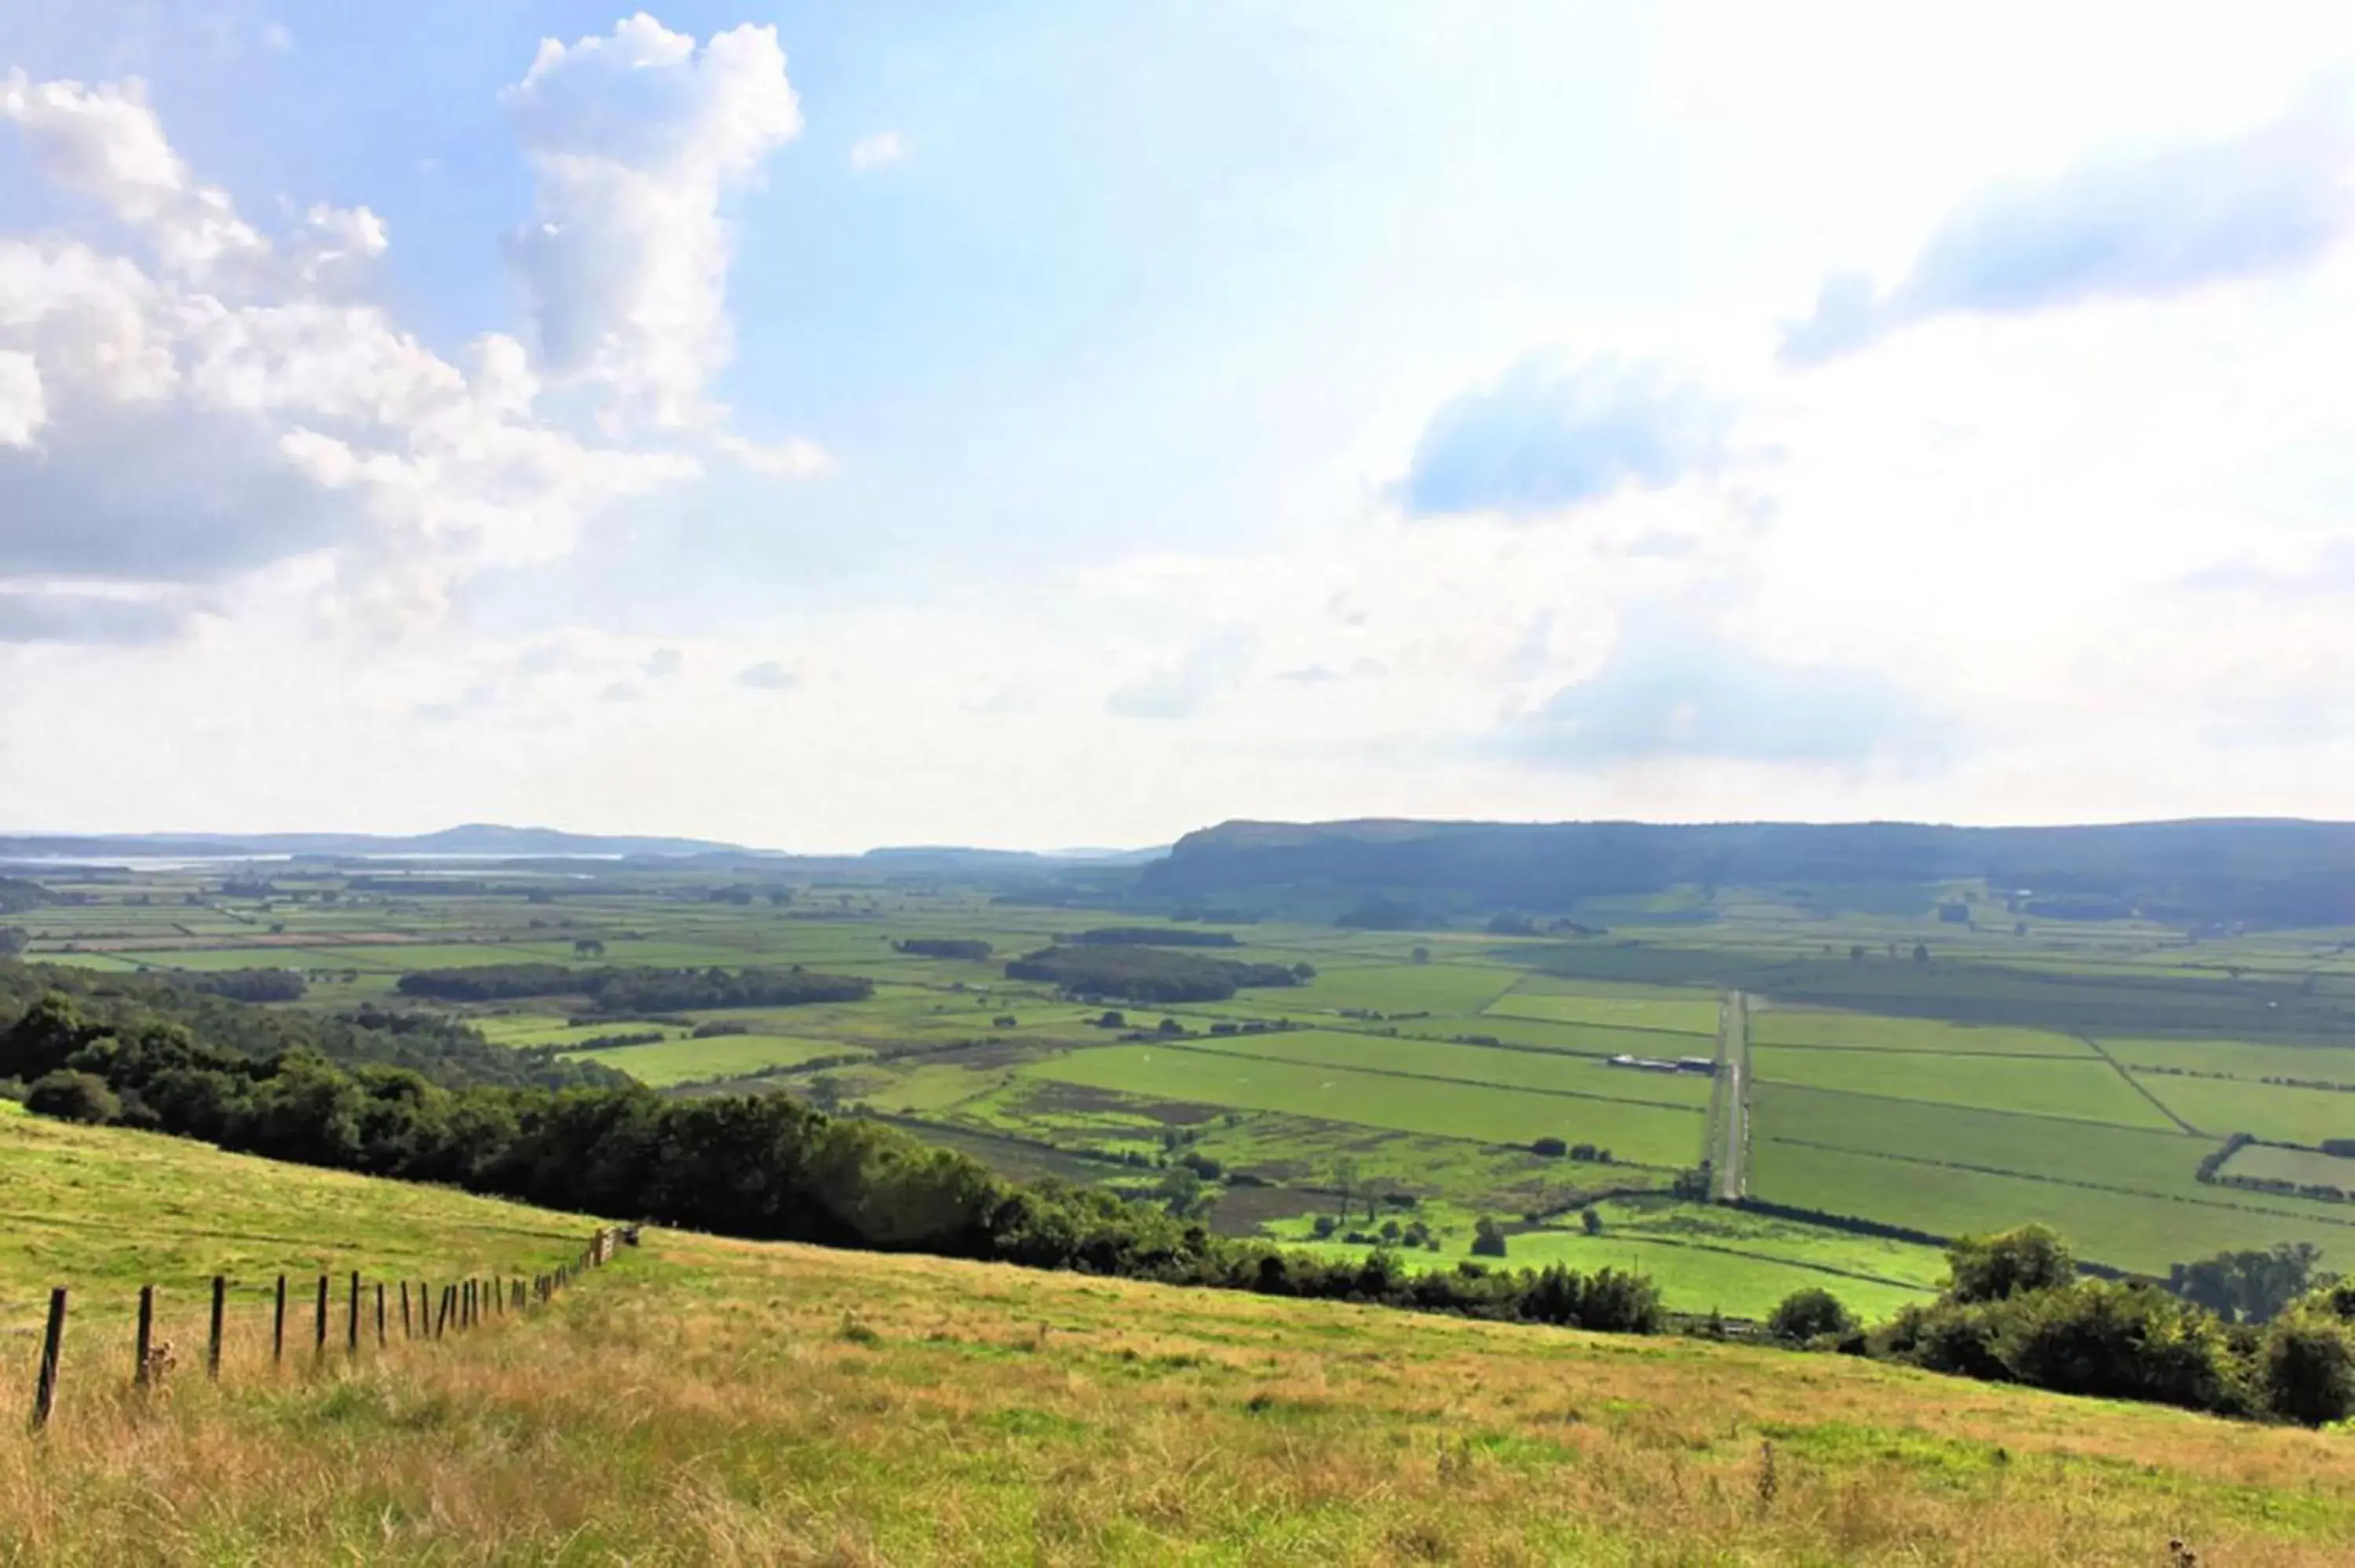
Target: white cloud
column 792, row 459
column 234, row 402
column 635, row 137
column 106, row 144
column 23, row 408
column 277, row 37
column 878, row 151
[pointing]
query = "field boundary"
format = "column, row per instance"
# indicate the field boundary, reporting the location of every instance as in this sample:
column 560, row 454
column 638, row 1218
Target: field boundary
column 2120, row 1068
column 431, row 1314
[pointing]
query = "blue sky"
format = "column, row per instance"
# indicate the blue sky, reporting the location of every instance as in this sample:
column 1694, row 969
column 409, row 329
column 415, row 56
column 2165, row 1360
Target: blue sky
column 1033, row 424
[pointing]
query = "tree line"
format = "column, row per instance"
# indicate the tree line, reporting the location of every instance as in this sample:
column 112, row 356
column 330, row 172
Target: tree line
column 617, row 989
column 1148, row 974
column 448, row 1052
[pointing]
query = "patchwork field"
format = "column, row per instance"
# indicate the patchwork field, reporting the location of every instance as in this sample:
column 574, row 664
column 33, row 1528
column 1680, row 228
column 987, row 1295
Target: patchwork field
column 1998, row 1078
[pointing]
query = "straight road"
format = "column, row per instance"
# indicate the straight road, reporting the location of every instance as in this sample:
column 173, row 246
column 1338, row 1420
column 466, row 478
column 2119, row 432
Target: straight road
column 1732, row 1156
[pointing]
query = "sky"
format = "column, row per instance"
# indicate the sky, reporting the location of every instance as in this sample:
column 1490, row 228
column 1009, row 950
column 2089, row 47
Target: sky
column 1037, row 425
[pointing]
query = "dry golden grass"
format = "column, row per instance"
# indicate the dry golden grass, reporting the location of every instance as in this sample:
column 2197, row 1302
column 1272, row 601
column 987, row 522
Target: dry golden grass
column 713, row 1402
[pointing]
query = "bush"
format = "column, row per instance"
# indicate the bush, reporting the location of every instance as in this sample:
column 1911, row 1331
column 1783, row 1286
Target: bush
column 1804, row 1314
column 1552, row 1148
column 1487, row 1238
column 73, row 1096
column 2118, row 1341
column 1995, row 1268
column 2306, row 1368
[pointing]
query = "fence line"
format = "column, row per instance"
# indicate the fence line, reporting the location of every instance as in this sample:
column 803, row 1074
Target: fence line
column 462, row 1304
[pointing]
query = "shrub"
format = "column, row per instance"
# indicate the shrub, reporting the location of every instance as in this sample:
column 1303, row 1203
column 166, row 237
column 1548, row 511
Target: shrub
column 2306, row 1368
column 2118, row 1341
column 1994, row 1268
column 73, row 1096
column 1487, row 1238
column 1806, row 1314
column 1553, row 1148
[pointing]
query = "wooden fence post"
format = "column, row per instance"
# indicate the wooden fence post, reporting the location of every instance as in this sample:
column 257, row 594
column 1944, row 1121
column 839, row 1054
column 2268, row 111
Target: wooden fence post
column 213, row 1339
column 379, row 1315
column 146, row 1333
column 278, row 1325
column 406, row 1332
column 352, row 1318
column 45, row 1388
column 319, row 1338
column 442, row 1319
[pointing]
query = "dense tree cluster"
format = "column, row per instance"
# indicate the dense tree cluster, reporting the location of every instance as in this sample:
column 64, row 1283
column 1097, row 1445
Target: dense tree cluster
column 637, row 990
column 2018, row 1312
column 17, row 896
column 248, row 985
column 1148, row 974
column 426, row 1043
column 1151, row 937
column 968, row 948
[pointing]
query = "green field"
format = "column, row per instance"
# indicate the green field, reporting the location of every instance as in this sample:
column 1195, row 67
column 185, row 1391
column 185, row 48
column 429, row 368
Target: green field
column 2269, row 1162
column 2288, row 1115
column 2240, row 1058
column 2048, row 1077
column 2088, row 1090
column 107, row 1212
column 1864, row 1031
column 1645, row 1134
column 685, row 1060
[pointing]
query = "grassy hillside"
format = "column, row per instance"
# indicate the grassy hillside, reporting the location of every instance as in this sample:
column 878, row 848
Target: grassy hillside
column 105, row 1211
column 708, row 1400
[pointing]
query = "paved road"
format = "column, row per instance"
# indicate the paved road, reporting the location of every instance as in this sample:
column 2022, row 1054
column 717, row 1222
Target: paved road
column 1731, row 1157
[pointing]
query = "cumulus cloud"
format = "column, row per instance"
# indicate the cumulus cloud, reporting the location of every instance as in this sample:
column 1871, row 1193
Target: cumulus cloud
column 768, row 676
column 663, row 664
column 224, row 402
column 2147, row 228
column 106, row 144
column 1551, row 434
column 635, row 137
column 1671, row 690
column 878, row 151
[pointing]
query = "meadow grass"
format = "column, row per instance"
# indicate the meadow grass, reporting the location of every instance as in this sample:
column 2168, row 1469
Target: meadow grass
column 705, row 1402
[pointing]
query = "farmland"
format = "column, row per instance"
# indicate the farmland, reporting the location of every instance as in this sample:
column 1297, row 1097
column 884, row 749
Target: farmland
column 1904, row 1071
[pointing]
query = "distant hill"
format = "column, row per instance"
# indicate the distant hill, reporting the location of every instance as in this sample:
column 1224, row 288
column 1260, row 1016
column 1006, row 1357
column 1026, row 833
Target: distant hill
column 2273, row 872
column 485, row 840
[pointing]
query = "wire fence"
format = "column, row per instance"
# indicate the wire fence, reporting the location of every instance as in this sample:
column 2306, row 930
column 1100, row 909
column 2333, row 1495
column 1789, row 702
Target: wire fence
column 334, row 1315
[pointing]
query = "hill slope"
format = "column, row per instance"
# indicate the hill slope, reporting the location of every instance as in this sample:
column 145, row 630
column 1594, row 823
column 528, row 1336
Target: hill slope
column 2263, row 871
column 708, row 1400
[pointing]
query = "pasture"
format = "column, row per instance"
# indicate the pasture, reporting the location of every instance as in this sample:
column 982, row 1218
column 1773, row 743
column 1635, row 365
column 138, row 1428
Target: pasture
column 2063, row 1074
